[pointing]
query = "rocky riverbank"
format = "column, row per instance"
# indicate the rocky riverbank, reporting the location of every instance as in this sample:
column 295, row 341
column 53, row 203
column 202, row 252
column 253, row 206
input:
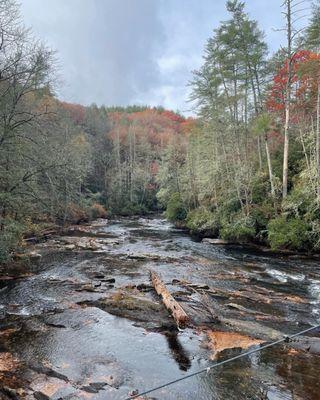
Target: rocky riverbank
column 82, row 320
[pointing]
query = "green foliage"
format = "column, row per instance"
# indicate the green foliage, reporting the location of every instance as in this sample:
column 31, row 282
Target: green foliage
column 261, row 214
column 262, row 124
column 203, row 222
column 291, row 233
column 241, row 229
column 260, row 187
column 130, row 209
column 163, row 196
column 315, row 234
column 176, row 210
column 228, row 207
column 312, row 33
column 10, row 237
column 298, row 202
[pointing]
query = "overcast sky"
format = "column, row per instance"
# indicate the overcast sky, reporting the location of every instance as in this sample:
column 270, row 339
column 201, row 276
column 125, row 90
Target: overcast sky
column 120, row 52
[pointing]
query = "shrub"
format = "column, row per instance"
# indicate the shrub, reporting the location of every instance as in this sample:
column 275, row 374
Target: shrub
column 10, row 237
column 202, row 221
column 292, row 233
column 298, row 202
column 260, row 187
column 163, row 197
column 130, row 209
column 97, row 211
column 76, row 214
column 229, row 206
column 315, row 234
column 176, row 210
column 240, row 229
column 261, row 215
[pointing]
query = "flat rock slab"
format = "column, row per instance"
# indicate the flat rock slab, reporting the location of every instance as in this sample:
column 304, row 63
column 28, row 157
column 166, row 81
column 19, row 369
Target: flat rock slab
column 216, row 241
column 45, row 387
column 220, row 341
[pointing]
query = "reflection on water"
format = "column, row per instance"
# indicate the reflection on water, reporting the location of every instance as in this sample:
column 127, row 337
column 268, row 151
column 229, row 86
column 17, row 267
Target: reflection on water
column 179, row 354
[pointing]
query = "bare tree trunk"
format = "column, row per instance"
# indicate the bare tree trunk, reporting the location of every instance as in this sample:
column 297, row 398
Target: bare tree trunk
column 259, row 153
column 287, row 102
column 304, row 149
column 130, row 177
column 318, row 141
column 269, row 166
column 286, row 152
column 118, row 163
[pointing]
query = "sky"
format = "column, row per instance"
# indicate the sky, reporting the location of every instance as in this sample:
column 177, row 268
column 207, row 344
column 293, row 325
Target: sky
column 122, row 52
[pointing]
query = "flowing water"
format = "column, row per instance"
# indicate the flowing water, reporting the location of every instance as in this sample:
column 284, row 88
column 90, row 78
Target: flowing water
column 59, row 339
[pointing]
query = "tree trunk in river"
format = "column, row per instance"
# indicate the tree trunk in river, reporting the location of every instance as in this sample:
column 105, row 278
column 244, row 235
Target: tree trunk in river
column 170, row 303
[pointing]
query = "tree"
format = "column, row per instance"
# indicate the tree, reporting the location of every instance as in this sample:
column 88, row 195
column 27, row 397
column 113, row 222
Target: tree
column 287, row 97
column 228, row 92
column 309, row 96
column 263, row 126
column 25, row 75
column 311, row 39
column 304, row 93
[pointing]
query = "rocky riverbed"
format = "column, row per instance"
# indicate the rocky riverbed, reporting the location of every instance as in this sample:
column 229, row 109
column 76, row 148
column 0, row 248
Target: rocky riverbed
column 80, row 319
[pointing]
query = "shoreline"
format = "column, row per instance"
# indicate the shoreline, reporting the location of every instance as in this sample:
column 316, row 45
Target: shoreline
column 249, row 245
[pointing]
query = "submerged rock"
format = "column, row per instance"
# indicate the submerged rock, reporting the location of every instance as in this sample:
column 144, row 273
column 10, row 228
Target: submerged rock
column 50, row 388
column 136, row 307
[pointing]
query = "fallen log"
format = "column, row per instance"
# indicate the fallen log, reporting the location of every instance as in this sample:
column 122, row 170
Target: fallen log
column 170, row 303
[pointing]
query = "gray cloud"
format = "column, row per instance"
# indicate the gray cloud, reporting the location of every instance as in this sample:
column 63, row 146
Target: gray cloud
column 108, row 50
column 134, row 51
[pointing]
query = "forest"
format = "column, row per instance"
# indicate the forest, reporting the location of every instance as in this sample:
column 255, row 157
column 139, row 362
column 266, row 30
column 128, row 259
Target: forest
column 251, row 166
column 245, row 167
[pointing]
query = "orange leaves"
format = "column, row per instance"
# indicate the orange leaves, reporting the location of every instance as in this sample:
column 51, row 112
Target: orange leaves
column 151, row 125
column 76, row 111
column 305, row 75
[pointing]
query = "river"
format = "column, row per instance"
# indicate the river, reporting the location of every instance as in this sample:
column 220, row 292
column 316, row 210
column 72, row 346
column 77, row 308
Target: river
column 81, row 322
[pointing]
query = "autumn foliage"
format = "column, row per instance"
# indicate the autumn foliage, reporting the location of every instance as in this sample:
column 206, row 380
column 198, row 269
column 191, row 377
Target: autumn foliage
column 306, row 74
column 155, row 126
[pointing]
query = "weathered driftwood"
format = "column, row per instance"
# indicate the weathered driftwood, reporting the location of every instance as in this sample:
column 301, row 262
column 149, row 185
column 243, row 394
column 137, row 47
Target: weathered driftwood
column 170, row 303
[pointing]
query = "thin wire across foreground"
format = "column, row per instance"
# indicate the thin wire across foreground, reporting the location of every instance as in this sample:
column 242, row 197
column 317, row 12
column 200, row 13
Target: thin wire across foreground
column 285, row 339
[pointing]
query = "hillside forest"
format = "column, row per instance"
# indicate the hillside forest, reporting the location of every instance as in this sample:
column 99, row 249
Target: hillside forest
column 244, row 168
